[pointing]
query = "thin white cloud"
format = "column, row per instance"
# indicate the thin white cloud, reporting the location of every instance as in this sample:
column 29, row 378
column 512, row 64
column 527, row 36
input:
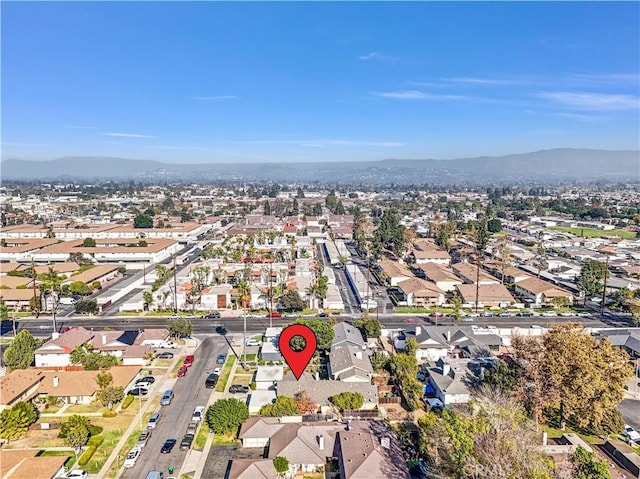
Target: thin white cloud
column 215, row 98
column 617, row 79
column 130, row 135
column 583, row 118
column 592, row 101
column 415, row 95
column 369, row 56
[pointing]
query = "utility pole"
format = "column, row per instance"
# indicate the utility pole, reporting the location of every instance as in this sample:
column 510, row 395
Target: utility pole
column 270, row 298
column 175, row 287
column 604, row 289
column 35, row 298
column 244, row 338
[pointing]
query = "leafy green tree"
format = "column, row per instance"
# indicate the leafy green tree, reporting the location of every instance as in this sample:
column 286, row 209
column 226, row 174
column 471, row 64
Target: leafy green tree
column 586, row 465
column 457, row 307
column 104, row 379
column 348, row 400
column 111, row 395
column 281, row 464
column 89, row 306
column 20, row 353
column 379, row 360
column 74, row 421
column 226, row 415
column 292, row 301
column 180, row 327
column 494, row 225
column 76, row 437
column 79, row 287
column 589, row 282
column 4, row 312
column 323, row 331
column 404, row 368
column 389, row 233
column 143, row 221
column 15, row 421
column 283, row 406
column 500, row 377
column 89, row 243
column 369, row 327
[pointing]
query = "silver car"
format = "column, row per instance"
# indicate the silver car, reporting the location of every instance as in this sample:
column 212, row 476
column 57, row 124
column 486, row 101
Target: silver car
column 143, row 438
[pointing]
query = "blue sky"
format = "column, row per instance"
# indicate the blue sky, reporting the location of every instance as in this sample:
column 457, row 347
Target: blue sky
column 285, row 81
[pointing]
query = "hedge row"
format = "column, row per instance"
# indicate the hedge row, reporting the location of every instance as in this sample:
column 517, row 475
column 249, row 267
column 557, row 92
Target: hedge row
column 94, row 443
column 127, row 402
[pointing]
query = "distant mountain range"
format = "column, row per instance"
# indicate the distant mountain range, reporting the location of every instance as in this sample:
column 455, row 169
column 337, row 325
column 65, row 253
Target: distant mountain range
column 545, row 166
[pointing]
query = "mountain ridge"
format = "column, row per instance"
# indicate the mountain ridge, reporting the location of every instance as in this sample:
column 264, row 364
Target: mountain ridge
column 559, row 164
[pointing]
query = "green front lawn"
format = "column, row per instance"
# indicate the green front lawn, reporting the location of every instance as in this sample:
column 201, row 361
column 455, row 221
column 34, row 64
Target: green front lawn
column 594, row 232
column 224, row 375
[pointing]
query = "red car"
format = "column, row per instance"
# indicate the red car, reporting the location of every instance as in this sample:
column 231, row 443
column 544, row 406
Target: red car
column 182, row 371
column 188, row 361
column 274, row 314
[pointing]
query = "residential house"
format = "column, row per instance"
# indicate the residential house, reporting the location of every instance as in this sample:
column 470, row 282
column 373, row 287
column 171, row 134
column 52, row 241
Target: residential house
column 17, row 299
column 470, row 275
column 441, row 276
column 489, row 295
column 259, row 398
column 350, row 364
column 542, row 293
column 321, row 391
column 20, row 385
column 347, row 335
column 421, row 293
column 216, row 297
column 393, row 272
column 427, row 252
column 80, row 387
column 252, row 468
column 27, row 464
column 368, row 452
column 56, row 352
column 448, row 382
column 432, row 345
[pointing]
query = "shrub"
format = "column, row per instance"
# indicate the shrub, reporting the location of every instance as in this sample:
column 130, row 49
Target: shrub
column 253, row 385
column 95, row 441
column 127, row 402
column 108, row 413
column 94, row 430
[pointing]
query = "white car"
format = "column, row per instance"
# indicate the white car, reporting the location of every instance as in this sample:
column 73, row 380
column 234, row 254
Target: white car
column 549, row 314
column 630, row 433
column 567, row 314
column 217, row 371
column 168, row 345
column 132, row 457
column 584, row 315
column 76, row 474
column 253, row 342
column 197, row 414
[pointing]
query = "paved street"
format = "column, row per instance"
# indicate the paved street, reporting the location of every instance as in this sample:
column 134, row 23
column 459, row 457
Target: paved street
column 189, row 393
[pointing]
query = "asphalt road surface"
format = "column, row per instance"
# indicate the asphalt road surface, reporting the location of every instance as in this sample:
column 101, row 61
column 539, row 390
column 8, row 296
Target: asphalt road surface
column 189, row 393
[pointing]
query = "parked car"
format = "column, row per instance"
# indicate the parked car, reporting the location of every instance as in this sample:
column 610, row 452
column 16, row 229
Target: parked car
column 132, row 457
column 164, row 355
column 488, row 314
column 221, row 358
column 167, row 397
column 238, row 388
column 182, row 371
column 217, row 371
column 188, row 360
column 187, row 439
column 630, row 433
column 253, row 342
column 168, row 345
column 197, row 414
column 549, row 314
column 437, row 314
column 76, row 474
column 192, row 427
column 291, row 315
column 143, row 438
column 274, row 314
column 584, row 314
column 211, row 381
column 525, row 314
column 145, row 382
column 221, row 330
column 323, row 315
column 567, row 314
column 138, row 391
column 467, row 319
column 154, row 420
column 168, row 446
column 505, row 314
column 212, row 315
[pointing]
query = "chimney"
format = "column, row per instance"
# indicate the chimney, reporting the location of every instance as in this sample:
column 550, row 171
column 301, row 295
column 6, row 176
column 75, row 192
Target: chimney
column 321, row 442
column 358, row 354
column 544, row 438
column 385, row 442
column 104, row 339
column 317, row 376
column 446, row 368
column 349, row 425
column 448, row 336
column 418, row 330
column 55, row 335
column 56, row 381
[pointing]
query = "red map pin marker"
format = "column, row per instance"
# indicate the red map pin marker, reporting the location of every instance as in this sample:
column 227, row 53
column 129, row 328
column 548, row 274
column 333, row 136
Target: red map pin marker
column 297, row 360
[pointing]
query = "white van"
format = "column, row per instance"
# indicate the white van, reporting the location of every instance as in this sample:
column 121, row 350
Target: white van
column 67, row 301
